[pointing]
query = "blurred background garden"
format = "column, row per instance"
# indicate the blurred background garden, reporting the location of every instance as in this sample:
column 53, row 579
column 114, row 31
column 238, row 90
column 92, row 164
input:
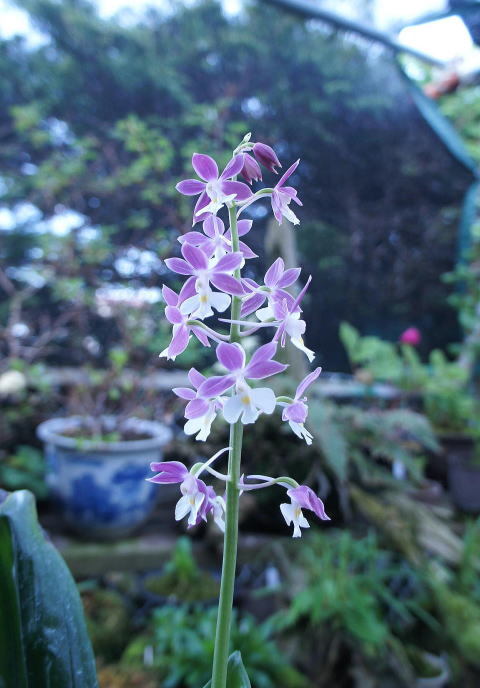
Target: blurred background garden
column 102, row 107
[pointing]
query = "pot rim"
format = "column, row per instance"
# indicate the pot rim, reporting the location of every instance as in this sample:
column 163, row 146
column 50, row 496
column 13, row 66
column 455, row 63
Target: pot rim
column 50, row 433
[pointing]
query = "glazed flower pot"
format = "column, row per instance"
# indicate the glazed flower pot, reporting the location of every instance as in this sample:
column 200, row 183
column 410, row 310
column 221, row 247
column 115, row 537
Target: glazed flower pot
column 99, row 488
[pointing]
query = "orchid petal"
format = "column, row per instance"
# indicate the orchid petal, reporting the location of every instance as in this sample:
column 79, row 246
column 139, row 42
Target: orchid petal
column 232, row 409
column 195, row 377
column 229, row 263
column 264, row 369
column 195, row 256
column 246, row 251
column 243, row 227
column 226, row 283
column 184, row 393
column 274, row 272
column 190, row 187
column 196, row 408
column 289, row 277
column 169, row 472
column 173, row 315
column 202, row 202
column 178, row 265
column 179, row 341
column 242, row 191
column 205, row 166
column 252, row 303
column 306, row 382
column 234, row 167
column 212, row 226
column 287, row 174
column 169, row 296
column 187, row 290
column 231, row 356
column 195, row 238
column 214, row 386
column 264, row 399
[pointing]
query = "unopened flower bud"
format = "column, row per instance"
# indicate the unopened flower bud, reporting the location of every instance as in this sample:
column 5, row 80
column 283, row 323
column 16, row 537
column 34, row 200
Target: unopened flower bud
column 251, row 170
column 266, row 156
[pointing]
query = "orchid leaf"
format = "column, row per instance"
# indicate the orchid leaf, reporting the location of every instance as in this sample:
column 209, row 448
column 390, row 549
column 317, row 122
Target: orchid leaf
column 43, row 638
column 236, row 674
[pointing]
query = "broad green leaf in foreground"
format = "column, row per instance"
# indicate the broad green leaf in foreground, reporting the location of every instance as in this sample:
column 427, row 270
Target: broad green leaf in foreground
column 43, row 639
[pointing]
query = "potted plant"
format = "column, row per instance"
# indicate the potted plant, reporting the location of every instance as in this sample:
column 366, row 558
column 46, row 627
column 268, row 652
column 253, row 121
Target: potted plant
column 97, row 461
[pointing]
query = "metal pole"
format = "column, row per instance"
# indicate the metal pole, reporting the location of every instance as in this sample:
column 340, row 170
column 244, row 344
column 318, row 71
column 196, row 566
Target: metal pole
column 308, row 9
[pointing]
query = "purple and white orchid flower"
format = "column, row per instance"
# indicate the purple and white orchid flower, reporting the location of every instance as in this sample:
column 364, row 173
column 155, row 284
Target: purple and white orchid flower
column 296, row 412
column 181, row 328
column 200, row 411
column 302, row 497
column 276, row 280
column 283, row 195
column 215, row 190
column 195, row 263
column 245, row 401
column 197, row 499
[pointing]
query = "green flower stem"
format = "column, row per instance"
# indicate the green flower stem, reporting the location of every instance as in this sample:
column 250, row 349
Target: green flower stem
column 230, row 542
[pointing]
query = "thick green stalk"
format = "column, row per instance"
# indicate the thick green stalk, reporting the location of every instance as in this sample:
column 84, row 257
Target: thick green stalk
column 222, row 637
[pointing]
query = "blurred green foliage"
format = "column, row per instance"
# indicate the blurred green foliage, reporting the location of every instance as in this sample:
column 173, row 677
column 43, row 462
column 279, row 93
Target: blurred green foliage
column 102, row 120
column 25, row 469
column 350, row 591
column 441, row 384
column 183, row 640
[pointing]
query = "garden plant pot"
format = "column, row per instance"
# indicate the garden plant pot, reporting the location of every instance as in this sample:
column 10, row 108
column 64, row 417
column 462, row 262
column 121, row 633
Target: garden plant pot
column 99, row 488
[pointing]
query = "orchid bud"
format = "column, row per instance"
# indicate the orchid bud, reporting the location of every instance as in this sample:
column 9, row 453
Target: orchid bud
column 251, row 170
column 411, row 336
column 266, row 156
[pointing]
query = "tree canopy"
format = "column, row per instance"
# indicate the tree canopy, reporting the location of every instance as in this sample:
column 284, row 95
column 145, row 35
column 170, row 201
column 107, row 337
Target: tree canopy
column 102, row 120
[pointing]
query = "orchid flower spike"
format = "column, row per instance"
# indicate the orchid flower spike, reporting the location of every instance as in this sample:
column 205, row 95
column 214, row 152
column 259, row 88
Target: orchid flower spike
column 211, row 263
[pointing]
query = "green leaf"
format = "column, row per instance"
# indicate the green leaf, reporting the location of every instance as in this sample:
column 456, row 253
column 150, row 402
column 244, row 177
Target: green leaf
column 330, row 437
column 43, row 639
column 236, row 674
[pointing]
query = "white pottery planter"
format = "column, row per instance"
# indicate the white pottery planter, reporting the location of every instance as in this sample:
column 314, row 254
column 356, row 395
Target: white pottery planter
column 100, row 488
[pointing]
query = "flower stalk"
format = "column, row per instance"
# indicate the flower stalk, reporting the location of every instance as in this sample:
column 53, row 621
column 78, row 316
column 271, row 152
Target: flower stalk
column 230, row 541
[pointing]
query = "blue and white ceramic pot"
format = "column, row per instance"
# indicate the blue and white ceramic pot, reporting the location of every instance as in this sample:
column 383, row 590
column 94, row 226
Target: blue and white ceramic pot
column 100, row 488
